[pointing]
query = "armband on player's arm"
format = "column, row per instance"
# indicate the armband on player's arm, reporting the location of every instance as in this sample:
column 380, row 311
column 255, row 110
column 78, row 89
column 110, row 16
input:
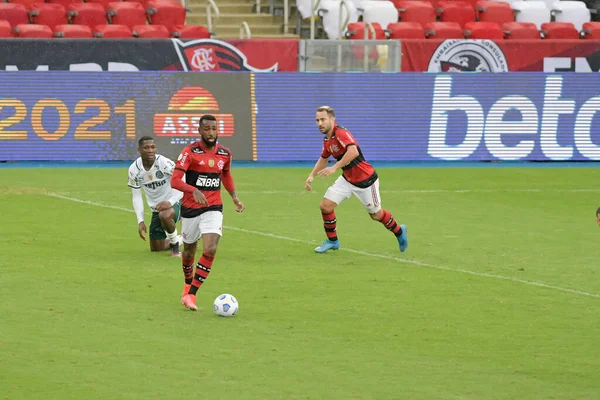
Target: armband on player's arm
column 227, row 180
column 178, row 183
column 138, row 204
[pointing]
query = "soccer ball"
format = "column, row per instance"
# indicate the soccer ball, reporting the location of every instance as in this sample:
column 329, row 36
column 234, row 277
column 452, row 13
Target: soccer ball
column 226, row 305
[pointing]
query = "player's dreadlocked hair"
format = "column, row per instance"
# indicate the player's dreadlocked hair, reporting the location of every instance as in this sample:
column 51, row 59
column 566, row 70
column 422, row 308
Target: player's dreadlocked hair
column 327, row 109
column 143, row 139
column 206, row 117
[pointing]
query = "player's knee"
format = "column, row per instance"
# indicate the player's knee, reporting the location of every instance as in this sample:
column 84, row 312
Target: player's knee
column 327, row 206
column 166, row 215
column 210, row 249
column 376, row 216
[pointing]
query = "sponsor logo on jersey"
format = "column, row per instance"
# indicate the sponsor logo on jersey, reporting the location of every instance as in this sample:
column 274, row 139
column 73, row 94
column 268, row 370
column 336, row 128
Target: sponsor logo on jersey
column 204, row 181
column 154, row 185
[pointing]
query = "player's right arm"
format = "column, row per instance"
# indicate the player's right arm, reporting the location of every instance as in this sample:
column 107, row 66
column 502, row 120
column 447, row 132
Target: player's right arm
column 319, row 165
column 137, row 200
column 182, row 165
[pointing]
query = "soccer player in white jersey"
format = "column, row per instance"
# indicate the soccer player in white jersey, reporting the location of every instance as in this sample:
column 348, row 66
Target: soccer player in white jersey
column 153, row 172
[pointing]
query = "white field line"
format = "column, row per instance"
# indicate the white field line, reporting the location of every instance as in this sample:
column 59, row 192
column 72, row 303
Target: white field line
column 363, row 253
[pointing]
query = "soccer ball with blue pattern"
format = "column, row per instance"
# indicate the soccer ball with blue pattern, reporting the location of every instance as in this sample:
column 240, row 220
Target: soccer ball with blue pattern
column 226, row 305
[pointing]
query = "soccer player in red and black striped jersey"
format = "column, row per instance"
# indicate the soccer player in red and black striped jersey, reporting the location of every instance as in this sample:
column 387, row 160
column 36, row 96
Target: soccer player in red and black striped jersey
column 358, row 178
column 205, row 164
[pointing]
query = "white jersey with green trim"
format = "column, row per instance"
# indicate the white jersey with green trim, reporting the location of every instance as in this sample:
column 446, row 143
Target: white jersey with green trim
column 156, row 182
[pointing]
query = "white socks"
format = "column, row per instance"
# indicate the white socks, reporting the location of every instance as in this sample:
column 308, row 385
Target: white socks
column 172, row 236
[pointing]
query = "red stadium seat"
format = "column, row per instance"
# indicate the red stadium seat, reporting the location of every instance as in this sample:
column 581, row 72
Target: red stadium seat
column 127, row 13
column 65, row 3
column 520, row 30
column 483, row 30
column 165, row 12
column 356, row 30
column 103, row 3
column 190, row 32
column 33, row 31
column 26, row 3
column 559, row 30
column 5, row 29
column 15, row 14
column 456, row 11
column 90, row 14
column 444, row 30
column 415, row 11
column 113, row 31
column 406, row 30
column 49, row 14
column 494, row 11
column 73, row 31
column 591, row 30
column 151, row 32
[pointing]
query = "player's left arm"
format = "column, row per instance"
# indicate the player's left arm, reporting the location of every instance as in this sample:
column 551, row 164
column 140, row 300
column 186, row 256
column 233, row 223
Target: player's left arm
column 227, row 180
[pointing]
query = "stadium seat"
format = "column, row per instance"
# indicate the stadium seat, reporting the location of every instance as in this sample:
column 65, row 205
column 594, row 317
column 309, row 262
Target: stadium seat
column 26, row 3
column 15, row 14
column 165, row 12
column 103, row 3
column 483, row 30
column 151, row 32
column 5, row 29
column 329, row 10
column 444, row 30
column 405, row 30
column 49, row 14
column 381, row 12
column 356, row 30
column 126, row 13
column 559, row 30
column 520, row 30
column 64, row 3
column 73, row 31
column 33, row 31
column 494, row 11
column 456, row 11
column 591, row 30
column 575, row 12
column 90, row 14
column 415, row 11
column 190, row 32
column 112, row 31
column 531, row 11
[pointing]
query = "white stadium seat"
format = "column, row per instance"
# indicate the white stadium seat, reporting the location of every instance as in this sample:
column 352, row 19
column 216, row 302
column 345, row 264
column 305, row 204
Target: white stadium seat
column 330, row 11
column 531, row 11
column 574, row 12
column 382, row 11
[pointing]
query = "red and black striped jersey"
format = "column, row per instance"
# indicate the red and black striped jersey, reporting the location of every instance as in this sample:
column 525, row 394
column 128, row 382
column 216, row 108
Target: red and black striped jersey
column 203, row 170
column 358, row 171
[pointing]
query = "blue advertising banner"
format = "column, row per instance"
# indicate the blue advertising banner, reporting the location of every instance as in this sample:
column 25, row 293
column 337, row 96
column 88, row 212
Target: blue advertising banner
column 89, row 116
column 414, row 116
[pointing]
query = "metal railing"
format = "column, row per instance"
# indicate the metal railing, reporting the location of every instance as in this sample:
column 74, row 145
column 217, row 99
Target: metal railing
column 342, row 25
column 314, row 6
column 210, row 7
column 286, row 16
column 245, row 29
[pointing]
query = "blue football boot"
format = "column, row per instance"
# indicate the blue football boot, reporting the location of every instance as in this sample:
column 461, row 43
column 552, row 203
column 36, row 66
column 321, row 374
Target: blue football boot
column 328, row 245
column 403, row 239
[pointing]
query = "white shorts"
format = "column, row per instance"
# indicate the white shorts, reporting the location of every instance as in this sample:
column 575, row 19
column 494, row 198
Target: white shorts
column 192, row 229
column 342, row 190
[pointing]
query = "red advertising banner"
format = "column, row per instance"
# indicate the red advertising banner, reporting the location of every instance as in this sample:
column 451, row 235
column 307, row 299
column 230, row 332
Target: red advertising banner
column 259, row 55
column 460, row 55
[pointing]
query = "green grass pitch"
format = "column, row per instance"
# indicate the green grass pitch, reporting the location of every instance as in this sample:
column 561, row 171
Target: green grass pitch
column 497, row 297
